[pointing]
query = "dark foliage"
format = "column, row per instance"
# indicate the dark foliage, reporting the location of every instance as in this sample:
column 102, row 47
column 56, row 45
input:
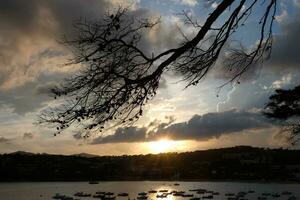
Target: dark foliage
column 284, row 105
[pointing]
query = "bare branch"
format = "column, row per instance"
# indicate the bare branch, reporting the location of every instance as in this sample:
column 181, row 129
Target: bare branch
column 117, row 78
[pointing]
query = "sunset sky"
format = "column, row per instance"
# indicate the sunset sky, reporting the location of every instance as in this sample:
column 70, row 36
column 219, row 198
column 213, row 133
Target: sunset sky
column 31, row 61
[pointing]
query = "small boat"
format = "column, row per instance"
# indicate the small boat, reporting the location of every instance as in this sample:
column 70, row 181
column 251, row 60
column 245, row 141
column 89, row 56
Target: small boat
column 152, row 191
column 161, row 196
column 229, row 194
column 82, row 194
column 163, row 190
column 62, row 197
column 109, row 198
column 143, row 197
column 176, row 184
column 208, row 197
column 123, row 194
column 99, row 196
column 57, row 196
column 286, row 193
column 276, row 195
column 187, row 195
column 201, row 191
column 179, row 193
column 109, row 193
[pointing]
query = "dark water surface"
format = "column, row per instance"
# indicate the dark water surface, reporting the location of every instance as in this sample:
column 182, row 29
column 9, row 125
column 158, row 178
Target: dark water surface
column 45, row 190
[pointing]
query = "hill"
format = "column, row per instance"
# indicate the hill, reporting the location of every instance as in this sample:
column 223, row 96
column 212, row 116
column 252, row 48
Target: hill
column 236, row 163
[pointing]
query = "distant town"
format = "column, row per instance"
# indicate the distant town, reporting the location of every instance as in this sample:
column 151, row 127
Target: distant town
column 241, row 163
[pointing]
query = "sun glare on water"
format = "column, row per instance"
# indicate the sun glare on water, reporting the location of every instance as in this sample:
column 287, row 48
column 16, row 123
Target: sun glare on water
column 161, row 146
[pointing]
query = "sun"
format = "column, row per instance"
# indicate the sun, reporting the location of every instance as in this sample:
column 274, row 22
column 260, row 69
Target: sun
column 161, row 146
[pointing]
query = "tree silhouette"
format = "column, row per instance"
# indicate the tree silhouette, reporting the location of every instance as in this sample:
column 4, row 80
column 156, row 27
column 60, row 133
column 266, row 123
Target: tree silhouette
column 285, row 105
column 118, row 78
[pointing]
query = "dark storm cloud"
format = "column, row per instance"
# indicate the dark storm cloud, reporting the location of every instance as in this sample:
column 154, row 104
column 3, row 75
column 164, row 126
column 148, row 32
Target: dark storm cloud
column 213, row 125
column 201, row 128
column 18, row 14
column 284, row 57
column 129, row 134
column 286, row 47
column 30, row 96
column 29, row 51
column 66, row 12
column 20, row 17
column 29, row 27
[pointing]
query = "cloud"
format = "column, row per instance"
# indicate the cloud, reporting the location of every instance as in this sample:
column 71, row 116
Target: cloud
column 45, row 88
column 296, row 3
column 4, row 140
column 29, row 33
column 30, row 56
column 128, row 134
column 285, row 80
column 30, row 96
column 28, row 136
column 283, row 16
column 186, row 2
column 199, row 127
column 213, row 125
column 285, row 54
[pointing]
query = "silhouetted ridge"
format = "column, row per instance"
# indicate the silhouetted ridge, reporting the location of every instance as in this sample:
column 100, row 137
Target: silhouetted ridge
column 235, row 163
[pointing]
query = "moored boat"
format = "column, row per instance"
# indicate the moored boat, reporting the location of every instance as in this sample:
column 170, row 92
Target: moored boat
column 123, row 194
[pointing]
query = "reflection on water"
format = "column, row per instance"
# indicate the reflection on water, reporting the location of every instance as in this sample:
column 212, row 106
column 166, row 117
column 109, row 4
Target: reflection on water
column 41, row 191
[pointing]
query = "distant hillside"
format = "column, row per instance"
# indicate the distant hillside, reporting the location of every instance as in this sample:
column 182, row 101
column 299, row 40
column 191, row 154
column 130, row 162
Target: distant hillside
column 86, row 155
column 22, row 153
column 236, row 163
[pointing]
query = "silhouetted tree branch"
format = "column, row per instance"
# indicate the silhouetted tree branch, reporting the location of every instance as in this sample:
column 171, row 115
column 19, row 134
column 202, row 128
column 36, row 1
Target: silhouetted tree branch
column 285, row 105
column 118, row 78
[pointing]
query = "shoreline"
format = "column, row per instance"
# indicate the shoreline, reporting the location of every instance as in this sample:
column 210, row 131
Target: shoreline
column 161, row 180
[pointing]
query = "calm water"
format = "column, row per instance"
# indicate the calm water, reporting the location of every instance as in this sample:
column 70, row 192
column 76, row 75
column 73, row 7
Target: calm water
column 45, row 190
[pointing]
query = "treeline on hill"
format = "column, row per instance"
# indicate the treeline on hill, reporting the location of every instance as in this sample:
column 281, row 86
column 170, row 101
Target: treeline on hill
column 236, row 163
